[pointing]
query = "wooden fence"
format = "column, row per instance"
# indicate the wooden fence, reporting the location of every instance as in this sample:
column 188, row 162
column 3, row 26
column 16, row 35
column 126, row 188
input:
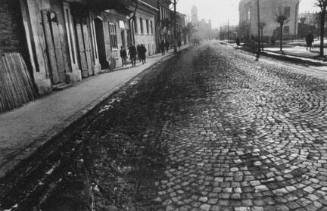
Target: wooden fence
column 16, row 85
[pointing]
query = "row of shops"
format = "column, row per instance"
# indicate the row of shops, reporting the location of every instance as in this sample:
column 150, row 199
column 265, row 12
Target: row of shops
column 64, row 41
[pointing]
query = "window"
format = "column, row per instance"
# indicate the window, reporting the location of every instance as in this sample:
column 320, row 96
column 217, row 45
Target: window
column 141, row 25
column 287, row 11
column 248, row 18
column 151, row 27
column 113, row 35
column 147, row 27
column 286, row 30
column 135, row 25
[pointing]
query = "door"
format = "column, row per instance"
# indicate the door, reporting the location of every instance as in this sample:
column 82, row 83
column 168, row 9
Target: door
column 84, row 46
column 123, row 41
column 55, row 48
column 101, row 43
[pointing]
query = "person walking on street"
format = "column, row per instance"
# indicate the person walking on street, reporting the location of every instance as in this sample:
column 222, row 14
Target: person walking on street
column 123, row 55
column 143, row 54
column 138, row 49
column 167, row 46
column 238, row 42
column 162, row 47
column 132, row 55
column 179, row 44
column 309, row 40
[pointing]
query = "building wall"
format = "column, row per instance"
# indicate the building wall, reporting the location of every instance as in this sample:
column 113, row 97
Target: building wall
column 51, row 41
column 11, row 28
column 121, row 24
column 268, row 12
column 147, row 38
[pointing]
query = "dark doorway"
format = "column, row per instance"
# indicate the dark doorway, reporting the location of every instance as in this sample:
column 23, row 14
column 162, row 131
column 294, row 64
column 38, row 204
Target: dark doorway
column 123, row 38
column 101, row 43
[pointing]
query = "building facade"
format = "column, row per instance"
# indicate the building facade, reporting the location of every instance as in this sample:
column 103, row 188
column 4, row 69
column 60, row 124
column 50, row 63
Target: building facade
column 203, row 28
column 63, row 41
column 165, row 22
column 181, row 24
column 269, row 10
column 194, row 15
column 144, row 25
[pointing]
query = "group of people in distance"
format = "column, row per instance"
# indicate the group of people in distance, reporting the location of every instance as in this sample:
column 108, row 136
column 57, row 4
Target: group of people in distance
column 164, row 46
column 309, row 39
column 139, row 51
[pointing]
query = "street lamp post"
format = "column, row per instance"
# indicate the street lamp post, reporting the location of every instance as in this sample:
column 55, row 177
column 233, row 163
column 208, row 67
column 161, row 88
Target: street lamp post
column 175, row 26
column 228, row 32
column 259, row 37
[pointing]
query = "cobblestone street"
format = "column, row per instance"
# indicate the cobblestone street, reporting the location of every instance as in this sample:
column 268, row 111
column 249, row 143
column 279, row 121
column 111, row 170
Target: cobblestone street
column 248, row 137
column 210, row 130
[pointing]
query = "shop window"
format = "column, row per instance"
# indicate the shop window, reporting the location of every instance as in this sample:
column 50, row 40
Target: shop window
column 151, row 27
column 147, row 27
column 287, row 11
column 113, row 35
column 135, row 26
column 286, row 30
column 141, row 25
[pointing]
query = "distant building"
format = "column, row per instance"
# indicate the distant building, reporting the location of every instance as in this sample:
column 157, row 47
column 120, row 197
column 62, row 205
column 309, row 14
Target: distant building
column 269, row 9
column 181, row 24
column 194, row 15
column 164, row 22
column 144, row 25
column 308, row 23
column 202, row 27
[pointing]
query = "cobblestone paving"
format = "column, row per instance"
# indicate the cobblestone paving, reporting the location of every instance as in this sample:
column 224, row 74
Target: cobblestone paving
column 249, row 137
column 214, row 131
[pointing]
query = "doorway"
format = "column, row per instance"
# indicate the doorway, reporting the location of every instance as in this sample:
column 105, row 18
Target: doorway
column 101, row 43
column 84, row 46
column 123, row 38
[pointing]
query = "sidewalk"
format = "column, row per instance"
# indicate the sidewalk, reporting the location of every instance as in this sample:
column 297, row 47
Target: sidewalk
column 24, row 130
column 297, row 54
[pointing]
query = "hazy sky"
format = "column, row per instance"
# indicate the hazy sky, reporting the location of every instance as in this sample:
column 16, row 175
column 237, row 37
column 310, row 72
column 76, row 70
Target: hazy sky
column 220, row 11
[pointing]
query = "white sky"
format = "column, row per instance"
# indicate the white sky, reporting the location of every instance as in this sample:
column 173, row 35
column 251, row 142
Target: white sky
column 220, row 11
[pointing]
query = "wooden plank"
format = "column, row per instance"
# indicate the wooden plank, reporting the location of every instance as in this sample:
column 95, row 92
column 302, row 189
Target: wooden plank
column 50, row 48
column 12, row 97
column 16, row 87
column 5, row 91
column 18, row 84
column 29, row 86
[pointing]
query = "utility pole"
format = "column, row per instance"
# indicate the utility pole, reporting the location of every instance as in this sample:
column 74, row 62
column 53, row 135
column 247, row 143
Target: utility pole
column 259, row 36
column 175, row 27
column 228, row 32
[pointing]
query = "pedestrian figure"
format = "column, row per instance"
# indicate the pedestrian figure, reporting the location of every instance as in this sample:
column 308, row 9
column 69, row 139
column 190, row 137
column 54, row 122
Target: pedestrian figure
column 179, row 44
column 309, row 40
column 238, row 42
column 123, row 55
column 167, row 46
column 143, row 54
column 132, row 55
column 138, row 49
column 162, row 47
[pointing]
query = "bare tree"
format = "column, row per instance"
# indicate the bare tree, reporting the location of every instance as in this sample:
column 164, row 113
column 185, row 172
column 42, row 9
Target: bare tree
column 322, row 4
column 262, row 26
column 281, row 19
